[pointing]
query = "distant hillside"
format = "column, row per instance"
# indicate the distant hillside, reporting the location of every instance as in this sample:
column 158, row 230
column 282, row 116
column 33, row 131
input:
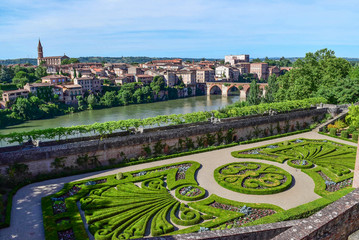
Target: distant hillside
column 133, row 59
column 33, row 61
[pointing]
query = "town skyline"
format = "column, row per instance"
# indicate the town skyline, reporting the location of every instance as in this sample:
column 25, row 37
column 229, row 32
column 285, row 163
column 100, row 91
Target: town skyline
column 192, row 29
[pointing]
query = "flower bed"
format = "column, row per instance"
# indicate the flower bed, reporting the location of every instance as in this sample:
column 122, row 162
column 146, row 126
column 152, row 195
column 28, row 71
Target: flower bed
column 332, row 186
column 297, row 163
column 59, row 206
column 190, row 193
column 66, row 235
column 251, row 214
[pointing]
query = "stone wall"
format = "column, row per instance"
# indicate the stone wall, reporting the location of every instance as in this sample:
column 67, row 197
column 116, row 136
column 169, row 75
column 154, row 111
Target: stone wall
column 124, row 144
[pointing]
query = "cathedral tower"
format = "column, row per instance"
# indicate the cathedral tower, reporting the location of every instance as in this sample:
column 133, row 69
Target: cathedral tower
column 40, row 54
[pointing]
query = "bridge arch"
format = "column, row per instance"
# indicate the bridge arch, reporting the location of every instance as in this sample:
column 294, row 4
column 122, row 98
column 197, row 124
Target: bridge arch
column 215, row 90
column 234, row 90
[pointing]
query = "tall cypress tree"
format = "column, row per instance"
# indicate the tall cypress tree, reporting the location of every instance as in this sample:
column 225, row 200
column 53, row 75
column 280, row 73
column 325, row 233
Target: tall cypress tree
column 254, row 97
column 271, row 89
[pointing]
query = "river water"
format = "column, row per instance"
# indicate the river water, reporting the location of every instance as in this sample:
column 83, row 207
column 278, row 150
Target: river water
column 184, row 105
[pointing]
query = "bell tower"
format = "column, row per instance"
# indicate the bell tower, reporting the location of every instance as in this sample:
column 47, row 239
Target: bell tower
column 40, row 54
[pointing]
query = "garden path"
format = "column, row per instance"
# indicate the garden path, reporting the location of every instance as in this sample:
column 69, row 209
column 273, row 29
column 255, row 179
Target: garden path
column 26, row 215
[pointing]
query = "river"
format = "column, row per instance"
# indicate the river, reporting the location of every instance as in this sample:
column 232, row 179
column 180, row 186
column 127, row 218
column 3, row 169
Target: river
column 183, row 105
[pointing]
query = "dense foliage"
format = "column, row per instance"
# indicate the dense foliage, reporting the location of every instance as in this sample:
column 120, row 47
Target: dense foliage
column 320, row 74
column 46, row 105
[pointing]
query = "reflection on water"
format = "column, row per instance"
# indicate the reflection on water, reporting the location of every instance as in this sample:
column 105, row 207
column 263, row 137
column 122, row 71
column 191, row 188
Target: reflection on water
column 186, row 105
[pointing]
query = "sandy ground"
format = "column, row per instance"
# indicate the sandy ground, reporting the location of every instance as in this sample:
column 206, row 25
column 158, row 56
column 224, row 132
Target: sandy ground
column 26, row 215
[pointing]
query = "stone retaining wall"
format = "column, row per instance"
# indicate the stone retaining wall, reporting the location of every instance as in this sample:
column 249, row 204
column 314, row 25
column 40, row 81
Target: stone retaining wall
column 118, row 145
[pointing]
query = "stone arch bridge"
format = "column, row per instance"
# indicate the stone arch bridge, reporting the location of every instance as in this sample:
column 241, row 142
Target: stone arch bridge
column 226, row 88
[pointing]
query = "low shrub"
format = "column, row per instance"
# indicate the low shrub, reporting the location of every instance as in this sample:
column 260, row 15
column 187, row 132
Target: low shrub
column 344, row 134
column 333, row 131
column 355, row 136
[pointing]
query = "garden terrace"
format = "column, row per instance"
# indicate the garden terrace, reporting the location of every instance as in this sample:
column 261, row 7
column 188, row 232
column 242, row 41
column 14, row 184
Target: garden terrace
column 155, row 201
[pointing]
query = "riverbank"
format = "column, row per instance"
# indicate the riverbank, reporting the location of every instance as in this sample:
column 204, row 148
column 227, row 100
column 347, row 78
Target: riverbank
column 177, row 106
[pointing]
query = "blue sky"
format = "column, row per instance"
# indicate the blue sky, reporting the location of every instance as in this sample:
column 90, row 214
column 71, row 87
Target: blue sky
column 186, row 28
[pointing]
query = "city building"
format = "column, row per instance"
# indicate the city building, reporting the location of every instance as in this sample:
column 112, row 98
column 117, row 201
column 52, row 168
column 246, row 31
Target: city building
column 260, row 69
column 54, row 79
column 56, row 60
column 135, row 70
column 227, row 72
column 273, row 70
column 9, row 97
column 205, row 75
column 70, row 93
column 33, row 87
column 234, row 59
column 187, row 76
column 90, row 84
column 144, row 78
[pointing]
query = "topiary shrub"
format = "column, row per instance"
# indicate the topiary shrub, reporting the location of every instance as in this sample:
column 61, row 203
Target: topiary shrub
column 351, row 129
column 344, row 134
column 355, row 136
column 333, row 131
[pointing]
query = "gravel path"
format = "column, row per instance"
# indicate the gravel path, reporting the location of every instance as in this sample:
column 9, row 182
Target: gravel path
column 26, row 215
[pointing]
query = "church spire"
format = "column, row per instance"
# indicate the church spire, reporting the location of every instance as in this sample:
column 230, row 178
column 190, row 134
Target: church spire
column 40, row 53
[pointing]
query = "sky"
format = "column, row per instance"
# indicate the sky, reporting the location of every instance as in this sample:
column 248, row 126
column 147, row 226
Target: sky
column 186, row 28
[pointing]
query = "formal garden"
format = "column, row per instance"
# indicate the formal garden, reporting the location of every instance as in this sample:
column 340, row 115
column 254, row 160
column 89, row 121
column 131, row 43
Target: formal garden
column 167, row 199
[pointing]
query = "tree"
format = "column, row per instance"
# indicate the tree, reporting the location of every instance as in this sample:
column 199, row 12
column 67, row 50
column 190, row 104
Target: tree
column 27, row 108
column 109, row 99
column 81, row 103
column 40, row 72
column 353, row 116
column 254, row 97
column 125, row 97
column 158, row 84
column 256, row 60
column 271, row 89
column 69, row 61
column 91, row 101
column 6, row 74
column 45, row 93
column 345, row 91
column 20, row 79
column 312, row 72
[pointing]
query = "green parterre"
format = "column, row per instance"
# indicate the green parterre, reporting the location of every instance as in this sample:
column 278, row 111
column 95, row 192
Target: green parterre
column 131, row 205
column 167, row 199
column 329, row 163
column 253, row 178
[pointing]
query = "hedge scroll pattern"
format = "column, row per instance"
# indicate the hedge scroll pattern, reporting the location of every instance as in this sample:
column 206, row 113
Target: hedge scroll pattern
column 132, row 205
column 253, row 178
column 328, row 163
